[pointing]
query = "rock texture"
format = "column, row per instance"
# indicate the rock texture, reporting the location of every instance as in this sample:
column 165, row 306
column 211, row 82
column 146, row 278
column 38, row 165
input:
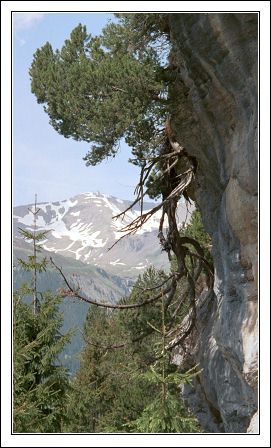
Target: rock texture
column 214, row 58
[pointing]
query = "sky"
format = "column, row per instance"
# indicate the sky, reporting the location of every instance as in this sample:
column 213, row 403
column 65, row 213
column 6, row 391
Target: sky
column 44, row 162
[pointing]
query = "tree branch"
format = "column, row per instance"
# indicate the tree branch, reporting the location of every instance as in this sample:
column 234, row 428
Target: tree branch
column 75, row 293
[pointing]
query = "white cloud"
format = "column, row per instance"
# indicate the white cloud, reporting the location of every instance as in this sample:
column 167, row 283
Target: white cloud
column 23, row 20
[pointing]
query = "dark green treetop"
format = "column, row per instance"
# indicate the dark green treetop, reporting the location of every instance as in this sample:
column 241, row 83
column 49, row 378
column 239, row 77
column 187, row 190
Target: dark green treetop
column 40, row 382
column 102, row 89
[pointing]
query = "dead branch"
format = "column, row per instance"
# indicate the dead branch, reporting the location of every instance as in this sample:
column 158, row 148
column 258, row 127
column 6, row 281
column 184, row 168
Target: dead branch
column 74, row 293
column 176, row 185
column 144, row 174
column 143, row 177
column 140, row 220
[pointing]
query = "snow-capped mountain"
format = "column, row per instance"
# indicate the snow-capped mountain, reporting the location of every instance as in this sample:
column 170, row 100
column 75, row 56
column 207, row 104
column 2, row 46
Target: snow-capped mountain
column 83, row 228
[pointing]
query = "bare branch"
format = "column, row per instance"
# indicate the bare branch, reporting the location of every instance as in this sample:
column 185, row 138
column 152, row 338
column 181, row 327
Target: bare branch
column 145, row 172
column 74, row 293
column 140, row 220
column 143, row 176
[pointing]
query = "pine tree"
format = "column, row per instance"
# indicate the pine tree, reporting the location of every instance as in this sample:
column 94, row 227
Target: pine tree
column 166, row 412
column 195, row 229
column 33, row 264
column 105, row 393
column 40, row 383
column 102, row 89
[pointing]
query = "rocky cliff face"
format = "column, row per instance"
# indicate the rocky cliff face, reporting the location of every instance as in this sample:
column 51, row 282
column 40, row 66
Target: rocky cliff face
column 214, row 57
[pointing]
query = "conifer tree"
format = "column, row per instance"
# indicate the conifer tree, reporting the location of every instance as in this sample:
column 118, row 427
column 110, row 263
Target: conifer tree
column 105, row 393
column 166, row 412
column 40, row 383
column 195, row 229
column 105, row 88
column 33, row 264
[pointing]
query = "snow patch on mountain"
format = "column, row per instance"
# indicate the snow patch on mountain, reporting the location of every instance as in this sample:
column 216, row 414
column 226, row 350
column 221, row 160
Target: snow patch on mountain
column 84, row 228
column 114, row 263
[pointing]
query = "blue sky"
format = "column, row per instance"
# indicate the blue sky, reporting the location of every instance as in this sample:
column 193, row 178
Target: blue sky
column 45, row 162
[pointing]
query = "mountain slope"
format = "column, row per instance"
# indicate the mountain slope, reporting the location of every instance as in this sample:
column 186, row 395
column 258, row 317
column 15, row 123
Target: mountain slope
column 83, row 228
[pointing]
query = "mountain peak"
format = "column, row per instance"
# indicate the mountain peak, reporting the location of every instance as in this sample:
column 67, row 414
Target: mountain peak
column 84, row 228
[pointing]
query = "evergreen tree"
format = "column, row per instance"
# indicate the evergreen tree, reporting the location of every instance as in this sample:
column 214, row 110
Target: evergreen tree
column 106, row 394
column 40, row 383
column 166, row 412
column 33, row 264
column 102, row 89
column 195, row 230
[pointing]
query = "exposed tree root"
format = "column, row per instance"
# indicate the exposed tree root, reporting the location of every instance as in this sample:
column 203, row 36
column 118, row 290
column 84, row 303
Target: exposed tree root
column 174, row 186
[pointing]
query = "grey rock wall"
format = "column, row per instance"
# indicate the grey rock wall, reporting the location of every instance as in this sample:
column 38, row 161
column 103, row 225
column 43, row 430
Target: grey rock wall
column 214, row 58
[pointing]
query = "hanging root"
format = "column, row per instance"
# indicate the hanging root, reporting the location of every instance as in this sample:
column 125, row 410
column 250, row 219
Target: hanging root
column 178, row 288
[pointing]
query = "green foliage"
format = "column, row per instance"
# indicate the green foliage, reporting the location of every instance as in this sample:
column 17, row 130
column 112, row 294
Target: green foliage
column 105, row 391
column 170, row 417
column 166, row 413
column 40, row 384
column 32, row 263
column 144, row 32
column 155, row 185
column 118, row 390
column 102, row 89
column 195, row 229
column 136, row 321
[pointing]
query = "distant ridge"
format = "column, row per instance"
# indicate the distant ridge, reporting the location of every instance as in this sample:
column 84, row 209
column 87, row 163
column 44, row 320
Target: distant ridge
column 82, row 228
